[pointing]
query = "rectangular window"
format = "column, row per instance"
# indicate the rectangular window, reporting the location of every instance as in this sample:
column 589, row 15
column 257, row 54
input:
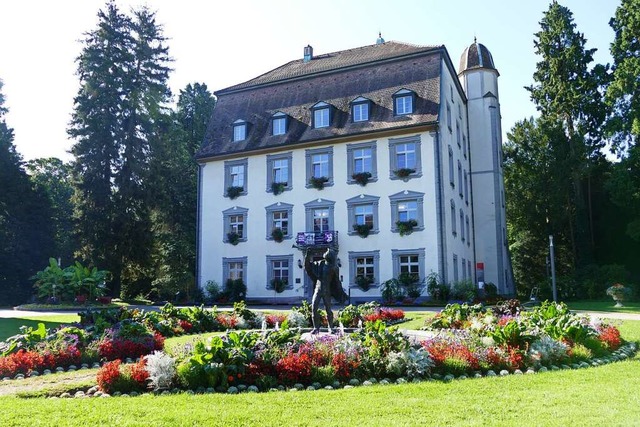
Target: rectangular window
column 236, row 271
column 464, row 146
column 360, row 112
column 279, row 125
column 409, row 264
column 237, row 175
column 460, row 178
column 406, row 156
column 449, row 116
column 464, row 270
column 239, row 132
column 455, row 268
column 468, row 231
column 363, row 214
column 280, row 270
column 362, row 160
column 281, row 221
column 320, row 220
column 407, row 210
column 469, row 270
column 404, row 104
column 462, row 225
column 280, row 171
column 458, row 137
column 451, row 171
column 453, row 218
column 365, row 267
column 466, row 188
column 236, row 225
column 321, row 118
column 320, row 165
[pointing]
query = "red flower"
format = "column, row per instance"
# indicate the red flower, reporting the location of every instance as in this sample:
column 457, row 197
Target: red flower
column 610, row 336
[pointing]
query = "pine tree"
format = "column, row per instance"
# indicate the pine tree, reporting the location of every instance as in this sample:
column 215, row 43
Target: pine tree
column 175, row 181
column 25, row 222
column 566, row 91
column 123, row 70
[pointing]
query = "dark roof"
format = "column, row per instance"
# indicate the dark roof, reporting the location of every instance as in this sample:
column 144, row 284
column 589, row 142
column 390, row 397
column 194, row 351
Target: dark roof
column 476, row 56
column 375, row 72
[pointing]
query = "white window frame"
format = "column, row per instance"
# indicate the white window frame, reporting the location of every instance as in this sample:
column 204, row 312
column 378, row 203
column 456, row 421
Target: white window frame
column 360, row 110
column 271, row 160
column 394, row 144
column 321, row 114
column 314, row 205
column 279, row 124
column 310, row 154
column 274, row 263
column 404, row 102
column 228, row 225
column 454, row 220
column 239, row 130
column 226, row 268
column 228, row 176
column 407, row 196
column 353, row 266
column 362, row 200
column 352, row 149
column 396, row 255
column 271, row 210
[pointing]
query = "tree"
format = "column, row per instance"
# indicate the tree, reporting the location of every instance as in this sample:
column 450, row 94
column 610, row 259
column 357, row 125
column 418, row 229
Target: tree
column 567, row 92
column 25, row 223
column 123, row 71
column 53, row 177
column 175, row 188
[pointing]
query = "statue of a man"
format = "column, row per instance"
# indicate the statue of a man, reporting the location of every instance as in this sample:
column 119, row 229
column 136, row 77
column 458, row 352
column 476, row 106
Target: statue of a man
column 326, row 283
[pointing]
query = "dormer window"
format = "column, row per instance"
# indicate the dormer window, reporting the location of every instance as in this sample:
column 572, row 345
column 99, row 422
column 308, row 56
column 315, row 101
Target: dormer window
column 360, row 109
column 403, row 101
column 279, row 123
column 321, row 115
column 239, row 130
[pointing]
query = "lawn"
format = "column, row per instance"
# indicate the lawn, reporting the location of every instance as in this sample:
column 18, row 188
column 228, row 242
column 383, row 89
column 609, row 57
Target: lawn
column 603, row 395
column 11, row 326
column 606, row 305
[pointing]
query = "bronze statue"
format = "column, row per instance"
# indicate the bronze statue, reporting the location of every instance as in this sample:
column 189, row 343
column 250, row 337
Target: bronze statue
column 326, row 284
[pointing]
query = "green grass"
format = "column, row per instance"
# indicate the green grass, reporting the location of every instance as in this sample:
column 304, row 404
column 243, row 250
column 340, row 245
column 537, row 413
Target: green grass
column 607, row 305
column 416, row 319
column 11, row 326
column 596, row 396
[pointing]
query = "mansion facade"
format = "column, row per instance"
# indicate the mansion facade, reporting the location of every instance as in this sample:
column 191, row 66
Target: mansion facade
column 385, row 153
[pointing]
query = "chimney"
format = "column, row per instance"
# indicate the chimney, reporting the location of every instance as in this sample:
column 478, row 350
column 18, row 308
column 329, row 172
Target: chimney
column 308, row 53
column 380, row 39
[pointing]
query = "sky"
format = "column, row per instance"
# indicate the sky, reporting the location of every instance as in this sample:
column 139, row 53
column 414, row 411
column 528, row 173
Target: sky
column 222, row 43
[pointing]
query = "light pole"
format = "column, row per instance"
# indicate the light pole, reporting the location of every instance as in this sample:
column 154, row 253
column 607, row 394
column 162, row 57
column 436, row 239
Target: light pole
column 553, row 269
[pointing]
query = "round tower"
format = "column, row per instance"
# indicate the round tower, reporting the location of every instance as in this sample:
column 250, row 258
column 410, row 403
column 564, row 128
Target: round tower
column 479, row 78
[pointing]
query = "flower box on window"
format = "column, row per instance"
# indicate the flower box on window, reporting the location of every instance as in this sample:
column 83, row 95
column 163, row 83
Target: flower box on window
column 406, row 227
column 361, row 178
column 278, row 187
column 279, row 285
column 233, row 191
column 403, row 172
column 363, row 230
column 318, row 182
column 277, row 234
column 233, row 237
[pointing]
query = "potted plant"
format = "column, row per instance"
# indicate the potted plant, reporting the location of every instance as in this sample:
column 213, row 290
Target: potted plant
column 233, row 191
column 406, row 227
column 362, row 229
column 318, row 182
column 364, row 282
column 233, row 237
column 279, row 285
column 361, row 177
column 278, row 187
column 277, row 234
column 403, row 172
column 619, row 293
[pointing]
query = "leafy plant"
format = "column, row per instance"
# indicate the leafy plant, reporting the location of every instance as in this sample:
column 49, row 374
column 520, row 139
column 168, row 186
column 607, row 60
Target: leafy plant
column 236, row 289
column 318, row 182
column 406, row 227
column 162, row 370
column 279, row 285
column 463, row 290
column 361, row 178
column 364, row 282
column 437, row 290
column 278, row 187
column 363, row 230
column 403, row 172
column 234, row 191
column 213, row 290
column 233, row 238
column 277, row 234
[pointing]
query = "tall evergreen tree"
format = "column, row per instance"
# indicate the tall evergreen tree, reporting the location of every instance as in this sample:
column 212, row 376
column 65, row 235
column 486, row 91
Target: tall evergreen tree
column 567, row 91
column 53, row 177
column 123, row 70
column 623, row 96
column 175, row 181
column 25, row 223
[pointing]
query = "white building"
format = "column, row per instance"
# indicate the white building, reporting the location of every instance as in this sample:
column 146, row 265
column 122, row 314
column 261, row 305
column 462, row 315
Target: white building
column 429, row 137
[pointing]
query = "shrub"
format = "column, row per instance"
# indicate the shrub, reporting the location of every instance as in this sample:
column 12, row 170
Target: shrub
column 318, row 182
column 406, row 227
column 233, row 192
column 362, row 230
column 324, row 375
column 161, row 369
column 279, row 285
column 213, row 291
column 361, row 178
column 236, row 289
column 463, row 290
column 277, row 234
column 546, row 350
column 610, row 337
column 113, row 377
column 278, row 187
column 579, row 353
column 233, row 238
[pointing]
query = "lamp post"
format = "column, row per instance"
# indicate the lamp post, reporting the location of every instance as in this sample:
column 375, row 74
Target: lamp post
column 553, row 269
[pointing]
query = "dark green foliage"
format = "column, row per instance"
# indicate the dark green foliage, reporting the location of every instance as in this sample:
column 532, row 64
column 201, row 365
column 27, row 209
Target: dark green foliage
column 279, row 285
column 277, row 234
column 361, row 178
column 406, row 227
column 364, row 282
column 26, row 231
column 362, row 229
column 318, row 182
column 233, row 192
column 403, row 172
column 277, row 187
column 115, row 139
column 235, row 289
